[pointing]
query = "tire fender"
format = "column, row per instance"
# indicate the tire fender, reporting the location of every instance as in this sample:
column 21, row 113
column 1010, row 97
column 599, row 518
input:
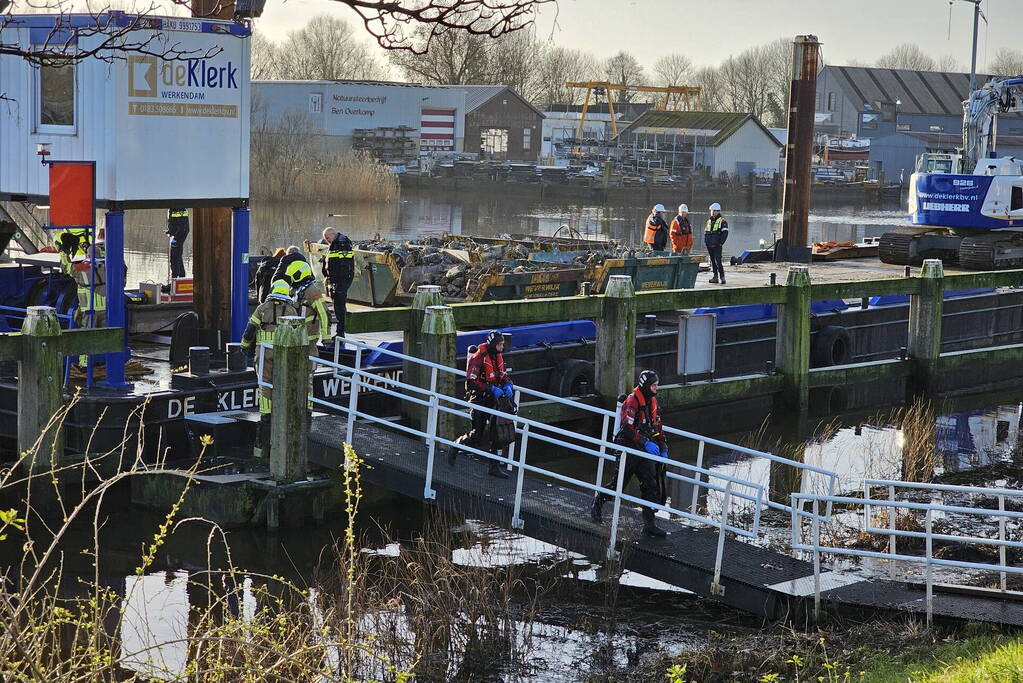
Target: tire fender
column 831, row 346
column 570, row 373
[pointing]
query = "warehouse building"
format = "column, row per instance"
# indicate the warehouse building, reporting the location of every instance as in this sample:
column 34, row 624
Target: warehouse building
column 717, row 144
column 396, row 122
column 500, row 124
column 895, row 155
column 864, row 102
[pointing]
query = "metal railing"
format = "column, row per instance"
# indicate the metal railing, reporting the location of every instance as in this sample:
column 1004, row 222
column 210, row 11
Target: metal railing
column 892, row 504
column 600, row 449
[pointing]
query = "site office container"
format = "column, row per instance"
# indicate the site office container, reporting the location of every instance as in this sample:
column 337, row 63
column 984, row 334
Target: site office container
column 161, row 130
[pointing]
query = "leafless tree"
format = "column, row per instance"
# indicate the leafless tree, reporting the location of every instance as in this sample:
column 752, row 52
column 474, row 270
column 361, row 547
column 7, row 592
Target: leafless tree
column 712, row 88
column 454, row 58
column 907, row 56
column 263, row 64
column 1006, row 62
column 280, row 146
column 673, row 69
column 948, row 63
column 624, row 69
column 326, row 48
column 513, row 61
column 559, row 65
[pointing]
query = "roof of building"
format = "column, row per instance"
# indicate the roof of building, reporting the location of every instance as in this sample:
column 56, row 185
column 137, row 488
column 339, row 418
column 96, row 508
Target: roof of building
column 716, row 125
column 918, row 92
column 948, row 139
column 478, row 95
column 627, row 110
column 389, row 84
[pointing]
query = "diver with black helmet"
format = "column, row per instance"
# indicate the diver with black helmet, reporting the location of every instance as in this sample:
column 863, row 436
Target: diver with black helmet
column 486, row 384
column 640, row 429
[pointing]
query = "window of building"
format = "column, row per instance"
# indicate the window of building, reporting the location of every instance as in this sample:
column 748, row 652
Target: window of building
column 527, row 136
column 56, row 88
column 832, row 101
column 315, row 103
column 903, row 126
column 494, row 141
column 936, row 129
column 869, row 121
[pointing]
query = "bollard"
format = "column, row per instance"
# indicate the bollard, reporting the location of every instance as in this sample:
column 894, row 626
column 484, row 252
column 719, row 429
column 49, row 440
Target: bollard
column 615, row 360
column 235, row 357
column 925, row 311
column 438, row 334
column 199, row 360
column 40, row 389
column 426, row 295
column 651, row 322
column 289, row 429
column 792, row 349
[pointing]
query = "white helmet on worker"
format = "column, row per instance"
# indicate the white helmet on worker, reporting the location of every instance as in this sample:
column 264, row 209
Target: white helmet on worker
column 659, row 207
column 715, row 207
column 683, row 208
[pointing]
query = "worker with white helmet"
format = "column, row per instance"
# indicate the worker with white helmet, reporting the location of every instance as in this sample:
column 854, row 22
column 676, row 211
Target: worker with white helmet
column 656, row 234
column 681, row 232
column 714, row 237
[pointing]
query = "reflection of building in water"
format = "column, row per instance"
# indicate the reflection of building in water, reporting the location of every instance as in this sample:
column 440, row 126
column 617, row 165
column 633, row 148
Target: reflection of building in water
column 975, row 438
column 425, row 215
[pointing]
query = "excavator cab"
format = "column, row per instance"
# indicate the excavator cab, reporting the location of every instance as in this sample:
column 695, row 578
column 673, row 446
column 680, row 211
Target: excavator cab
column 939, row 162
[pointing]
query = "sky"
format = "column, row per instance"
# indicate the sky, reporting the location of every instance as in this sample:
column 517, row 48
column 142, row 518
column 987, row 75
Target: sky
column 707, row 31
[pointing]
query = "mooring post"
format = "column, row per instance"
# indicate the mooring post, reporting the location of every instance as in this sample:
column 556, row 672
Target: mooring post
column 615, row 362
column 289, row 429
column 438, row 334
column 925, row 308
column 426, row 295
column 792, row 348
column 41, row 389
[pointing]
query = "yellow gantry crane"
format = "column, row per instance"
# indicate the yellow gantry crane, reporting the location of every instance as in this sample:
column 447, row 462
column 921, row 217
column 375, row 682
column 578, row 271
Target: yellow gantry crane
column 676, row 98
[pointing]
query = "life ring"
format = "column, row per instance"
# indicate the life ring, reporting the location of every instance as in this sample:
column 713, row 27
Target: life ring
column 570, row 376
column 831, row 346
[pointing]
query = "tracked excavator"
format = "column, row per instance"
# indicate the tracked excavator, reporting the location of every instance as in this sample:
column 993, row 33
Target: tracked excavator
column 967, row 208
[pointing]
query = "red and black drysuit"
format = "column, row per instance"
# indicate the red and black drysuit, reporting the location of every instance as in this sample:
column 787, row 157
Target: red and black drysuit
column 640, row 423
column 483, row 370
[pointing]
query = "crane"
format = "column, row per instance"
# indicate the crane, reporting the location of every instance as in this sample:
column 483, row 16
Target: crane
column 676, row 98
column 973, row 218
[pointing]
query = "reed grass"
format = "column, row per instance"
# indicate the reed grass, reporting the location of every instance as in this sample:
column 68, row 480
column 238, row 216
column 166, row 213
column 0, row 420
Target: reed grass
column 352, row 177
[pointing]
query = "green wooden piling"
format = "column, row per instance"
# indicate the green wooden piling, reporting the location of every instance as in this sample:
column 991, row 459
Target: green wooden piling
column 41, row 389
column 438, row 334
column 925, row 308
column 289, row 429
column 426, row 295
column 792, row 347
column 615, row 365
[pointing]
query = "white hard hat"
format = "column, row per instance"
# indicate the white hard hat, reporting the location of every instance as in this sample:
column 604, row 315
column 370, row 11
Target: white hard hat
column 683, row 208
column 715, row 207
column 659, row 207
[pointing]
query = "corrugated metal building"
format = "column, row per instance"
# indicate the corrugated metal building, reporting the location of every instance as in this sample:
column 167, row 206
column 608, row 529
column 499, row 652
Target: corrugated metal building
column 872, row 102
column 718, row 142
column 895, row 155
column 500, row 124
column 340, row 113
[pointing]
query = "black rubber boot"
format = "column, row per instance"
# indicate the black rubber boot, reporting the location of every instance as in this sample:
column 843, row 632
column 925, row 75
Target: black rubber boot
column 649, row 527
column 454, row 451
column 497, row 470
column 597, row 511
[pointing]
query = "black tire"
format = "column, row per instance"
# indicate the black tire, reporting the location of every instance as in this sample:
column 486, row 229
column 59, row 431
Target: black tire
column 569, row 376
column 184, row 333
column 830, row 347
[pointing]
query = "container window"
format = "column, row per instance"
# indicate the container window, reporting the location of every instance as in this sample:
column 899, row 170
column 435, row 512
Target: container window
column 56, row 95
column 903, row 126
column 1016, row 202
column 936, row 129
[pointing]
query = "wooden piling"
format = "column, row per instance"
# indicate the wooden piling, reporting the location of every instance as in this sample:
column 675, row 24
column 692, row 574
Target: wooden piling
column 289, row 428
column 615, row 365
column 426, row 295
column 41, row 389
column 438, row 333
column 925, row 309
column 792, row 345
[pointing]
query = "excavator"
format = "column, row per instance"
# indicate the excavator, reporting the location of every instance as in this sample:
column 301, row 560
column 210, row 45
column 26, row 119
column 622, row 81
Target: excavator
column 973, row 218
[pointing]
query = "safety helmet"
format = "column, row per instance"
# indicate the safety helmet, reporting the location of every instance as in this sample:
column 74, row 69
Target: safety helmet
column 715, row 207
column 683, row 208
column 494, row 338
column 659, row 207
column 646, row 379
column 280, row 289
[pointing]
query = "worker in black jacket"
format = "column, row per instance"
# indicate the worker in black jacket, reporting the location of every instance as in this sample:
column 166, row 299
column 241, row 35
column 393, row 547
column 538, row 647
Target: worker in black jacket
column 339, row 271
column 177, row 230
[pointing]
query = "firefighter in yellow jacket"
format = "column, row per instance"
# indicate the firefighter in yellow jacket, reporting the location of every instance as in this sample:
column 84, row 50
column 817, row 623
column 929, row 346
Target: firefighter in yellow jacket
column 260, row 329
